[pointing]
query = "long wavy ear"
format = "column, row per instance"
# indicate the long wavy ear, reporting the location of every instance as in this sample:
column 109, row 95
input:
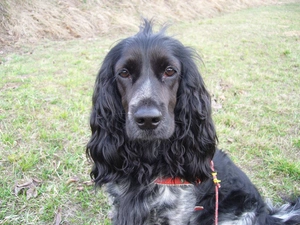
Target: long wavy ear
column 106, row 121
column 195, row 136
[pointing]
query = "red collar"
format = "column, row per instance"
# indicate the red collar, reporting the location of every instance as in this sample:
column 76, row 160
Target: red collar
column 179, row 181
column 171, row 181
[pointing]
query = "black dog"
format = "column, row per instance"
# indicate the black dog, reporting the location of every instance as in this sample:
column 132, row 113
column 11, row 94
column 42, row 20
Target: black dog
column 153, row 142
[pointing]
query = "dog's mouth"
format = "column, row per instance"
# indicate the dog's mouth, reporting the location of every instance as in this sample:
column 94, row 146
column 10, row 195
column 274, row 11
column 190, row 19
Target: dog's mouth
column 149, row 135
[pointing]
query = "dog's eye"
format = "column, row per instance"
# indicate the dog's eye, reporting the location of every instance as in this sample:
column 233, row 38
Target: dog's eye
column 124, row 73
column 169, row 71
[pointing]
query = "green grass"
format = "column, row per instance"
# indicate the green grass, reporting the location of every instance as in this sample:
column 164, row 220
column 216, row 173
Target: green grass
column 251, row 67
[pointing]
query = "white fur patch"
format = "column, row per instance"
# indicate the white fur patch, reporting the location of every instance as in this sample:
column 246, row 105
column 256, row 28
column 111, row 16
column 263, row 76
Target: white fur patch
column 247, row 218
column 183, row 200
column 285, row 212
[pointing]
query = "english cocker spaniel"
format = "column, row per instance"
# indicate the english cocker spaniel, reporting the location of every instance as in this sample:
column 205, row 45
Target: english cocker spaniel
column 153, row 142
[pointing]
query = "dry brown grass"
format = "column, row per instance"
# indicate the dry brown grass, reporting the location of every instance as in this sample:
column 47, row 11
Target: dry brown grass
column 33, row 20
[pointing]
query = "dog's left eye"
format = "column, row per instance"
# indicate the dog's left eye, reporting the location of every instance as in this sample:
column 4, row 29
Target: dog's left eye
column 169, row 71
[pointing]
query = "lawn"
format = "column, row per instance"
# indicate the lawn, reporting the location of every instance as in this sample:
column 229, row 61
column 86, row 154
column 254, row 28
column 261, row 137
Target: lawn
column 251, row 66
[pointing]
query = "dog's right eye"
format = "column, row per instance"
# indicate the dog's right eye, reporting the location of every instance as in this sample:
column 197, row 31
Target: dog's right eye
column 124, row 73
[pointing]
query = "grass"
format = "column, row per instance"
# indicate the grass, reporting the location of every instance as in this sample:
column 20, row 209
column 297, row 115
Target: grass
column 251, row 67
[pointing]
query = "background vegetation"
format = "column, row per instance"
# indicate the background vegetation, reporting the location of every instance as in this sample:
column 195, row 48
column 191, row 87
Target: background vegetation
column 33, row 20
column 251, row 67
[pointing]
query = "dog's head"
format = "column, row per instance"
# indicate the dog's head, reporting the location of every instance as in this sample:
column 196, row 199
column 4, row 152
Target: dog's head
column 150, row 90
column 147, row 76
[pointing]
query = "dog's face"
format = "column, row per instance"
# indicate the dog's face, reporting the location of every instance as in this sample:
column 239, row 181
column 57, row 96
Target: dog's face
column 147, row 76
column 151, row 112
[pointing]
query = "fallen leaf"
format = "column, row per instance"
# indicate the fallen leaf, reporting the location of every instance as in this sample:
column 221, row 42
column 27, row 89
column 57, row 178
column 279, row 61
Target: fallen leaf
column 222, row 98
column 80, row 188
column 89, row 183
column 36, row 181
column 18, row 190
column 28, row 187
column 25, row 185
column 216, row 105
column 57, row 218
column 73, row 180
column 230, row 140
column 31, row 192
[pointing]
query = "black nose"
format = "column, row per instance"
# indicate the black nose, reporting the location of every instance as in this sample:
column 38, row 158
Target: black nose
column 147, row 117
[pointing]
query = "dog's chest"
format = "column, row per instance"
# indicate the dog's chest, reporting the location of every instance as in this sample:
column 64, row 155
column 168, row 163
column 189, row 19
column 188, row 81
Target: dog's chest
column 153, row 204
column 172, row 205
